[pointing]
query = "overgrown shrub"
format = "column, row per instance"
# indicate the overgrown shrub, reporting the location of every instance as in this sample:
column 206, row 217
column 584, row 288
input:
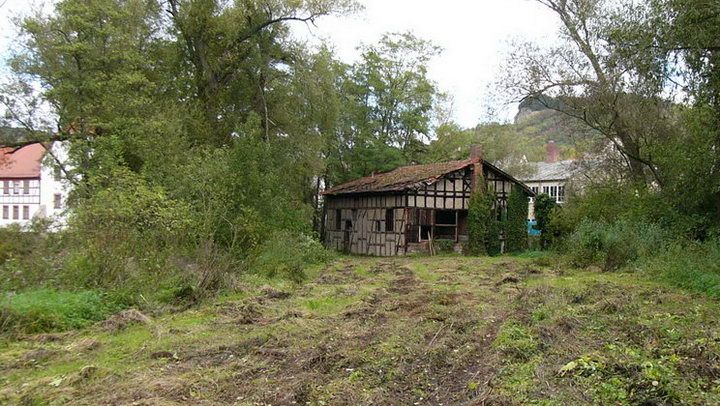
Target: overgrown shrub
column 444, row 246
column 483, row 226
column 516, row 234
column 30, row 256
column 45, row 310
column 124, row 237
column 544, row 205
column 693, row 266
column 286, row 254
column 614, row 245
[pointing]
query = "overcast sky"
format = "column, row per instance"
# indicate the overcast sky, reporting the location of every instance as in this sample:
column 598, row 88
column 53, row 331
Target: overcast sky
column 473, row 33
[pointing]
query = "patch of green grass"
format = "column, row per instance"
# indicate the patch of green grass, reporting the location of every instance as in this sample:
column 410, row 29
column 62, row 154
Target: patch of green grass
column 44, row 310
column 328, row 305
column 516, row 340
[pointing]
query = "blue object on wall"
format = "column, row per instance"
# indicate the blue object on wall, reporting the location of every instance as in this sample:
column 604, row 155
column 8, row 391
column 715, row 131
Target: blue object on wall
column 531, row 227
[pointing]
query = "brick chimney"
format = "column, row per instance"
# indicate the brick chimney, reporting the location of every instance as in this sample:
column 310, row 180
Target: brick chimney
column 477, row 156
column 552, row 152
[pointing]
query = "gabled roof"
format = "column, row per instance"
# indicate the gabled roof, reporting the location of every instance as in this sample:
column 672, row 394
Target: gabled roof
column 410, row 177
column 22, row 162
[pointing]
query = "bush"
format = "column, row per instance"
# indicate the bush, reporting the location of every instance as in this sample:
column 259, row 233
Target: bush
column 444, row 246
column 516, row 234
column 125, row 236
column 29, row 257
column 483, row 227
column 690, row 265
column 44, row 310
column 286, row 254
column 614, row 245
column 544, row 205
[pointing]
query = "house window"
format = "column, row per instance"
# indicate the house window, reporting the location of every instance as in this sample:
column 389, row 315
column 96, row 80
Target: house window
column 389, row 220
column 6, row 187
column 534, row 189
column 16, row 212
column 561, row 194
column 26, row 187
column 57, row 201
column 553, row 192
column 338, row 219
column 26, row 212
column 16, row 187
column 6, row 212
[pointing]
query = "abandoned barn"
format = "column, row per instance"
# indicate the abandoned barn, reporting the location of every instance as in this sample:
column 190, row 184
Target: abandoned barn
column 406, row 209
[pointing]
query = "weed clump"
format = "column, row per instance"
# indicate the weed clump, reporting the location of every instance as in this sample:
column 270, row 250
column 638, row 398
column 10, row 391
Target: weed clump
column 517, row 341
column 286, row 255
column 43, row 310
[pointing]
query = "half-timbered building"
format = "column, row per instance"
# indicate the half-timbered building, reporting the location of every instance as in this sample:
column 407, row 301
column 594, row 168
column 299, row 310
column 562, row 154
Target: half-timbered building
column 406, row 209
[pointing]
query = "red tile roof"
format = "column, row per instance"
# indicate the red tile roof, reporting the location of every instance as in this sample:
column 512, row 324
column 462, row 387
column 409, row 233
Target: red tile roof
column 22, row 162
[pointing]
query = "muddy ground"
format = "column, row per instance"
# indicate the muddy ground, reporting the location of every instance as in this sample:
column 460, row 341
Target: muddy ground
column 405, row 331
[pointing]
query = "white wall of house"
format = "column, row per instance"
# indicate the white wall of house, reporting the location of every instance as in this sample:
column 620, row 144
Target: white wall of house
column 23, row 199
column 553, row 188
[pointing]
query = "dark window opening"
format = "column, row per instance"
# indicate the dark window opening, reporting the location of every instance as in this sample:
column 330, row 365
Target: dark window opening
column 445, row 217
column 389, row 220
column 348, row 224
column 378, row 225
column 338, row 219
column 425, row 232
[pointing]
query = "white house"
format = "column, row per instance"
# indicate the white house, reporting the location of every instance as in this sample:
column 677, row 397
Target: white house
column 31, row 184
column 549, row 177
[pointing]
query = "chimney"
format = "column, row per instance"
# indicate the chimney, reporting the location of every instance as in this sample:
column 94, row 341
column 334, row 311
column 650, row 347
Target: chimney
column 552, row 152
column 476, row 152
column 476, row 155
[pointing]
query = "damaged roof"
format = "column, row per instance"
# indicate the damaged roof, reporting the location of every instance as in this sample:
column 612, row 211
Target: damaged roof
column 410, row 177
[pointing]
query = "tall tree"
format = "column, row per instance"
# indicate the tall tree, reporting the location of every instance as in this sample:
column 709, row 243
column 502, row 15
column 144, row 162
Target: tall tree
column 597, row 82
column 389, row 102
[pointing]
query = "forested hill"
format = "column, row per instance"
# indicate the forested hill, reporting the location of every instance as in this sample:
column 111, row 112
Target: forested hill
column 535, row 125
column 540, row 121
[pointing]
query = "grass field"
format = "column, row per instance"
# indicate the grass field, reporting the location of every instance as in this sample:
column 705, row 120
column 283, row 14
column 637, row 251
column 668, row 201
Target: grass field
column 424, row 330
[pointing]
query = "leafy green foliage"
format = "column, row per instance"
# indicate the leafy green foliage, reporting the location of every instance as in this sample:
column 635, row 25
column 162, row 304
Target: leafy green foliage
column 483, row 226
column 287, row 255
column 613, row 246
column 515, row 228
column 689, row 265
column 544, row 206
column 44, row 310
column 390, row 102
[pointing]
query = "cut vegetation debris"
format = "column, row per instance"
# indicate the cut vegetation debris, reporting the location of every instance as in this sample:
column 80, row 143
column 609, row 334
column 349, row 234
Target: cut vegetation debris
column 365, row 331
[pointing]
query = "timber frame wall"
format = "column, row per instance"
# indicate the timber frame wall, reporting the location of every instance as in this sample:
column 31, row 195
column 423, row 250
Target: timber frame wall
column 357, row 223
